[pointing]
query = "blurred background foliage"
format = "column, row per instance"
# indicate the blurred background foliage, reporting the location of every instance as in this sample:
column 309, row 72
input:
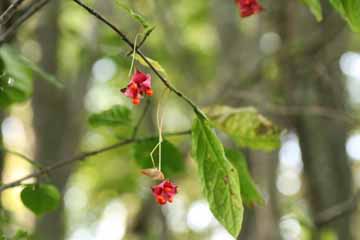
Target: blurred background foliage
column 302, row 74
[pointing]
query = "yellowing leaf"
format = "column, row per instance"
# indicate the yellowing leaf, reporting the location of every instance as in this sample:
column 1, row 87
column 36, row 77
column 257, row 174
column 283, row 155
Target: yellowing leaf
column 154, row 63
column 135, row 15
column 246, row 127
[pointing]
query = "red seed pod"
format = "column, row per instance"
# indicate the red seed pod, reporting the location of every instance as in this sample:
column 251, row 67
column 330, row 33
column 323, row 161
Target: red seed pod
column 248, row 7
column 139, row 85
column 164, row 192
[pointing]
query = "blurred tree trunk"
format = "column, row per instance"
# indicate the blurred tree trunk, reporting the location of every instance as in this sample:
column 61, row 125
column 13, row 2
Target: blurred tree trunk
column 58, row 114
column 322, row 143
column 3, row 6
column 3, row 213
column 237, row 57
column 264, row 170
column 151, row 222
column 186, row 60
column 50, row 116
column 2, row 153
column 322, row 140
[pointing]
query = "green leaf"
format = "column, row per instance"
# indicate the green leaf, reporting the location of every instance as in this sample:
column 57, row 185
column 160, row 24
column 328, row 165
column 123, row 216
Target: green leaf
column 40, row 199
column 350, row 10
column 154, row 63
column 246, row 127
column 328, row 234
column 249, row 192
column 21, row 235
column 12, row 90
column 171, row 158
column 7, row 51
column 219, row 179
column 16, row 74
column 315, row 8
column 15, row 79
column 136, row 16
column 116, row 116
column 46, row 76
column 338, row 5
column 13, row 66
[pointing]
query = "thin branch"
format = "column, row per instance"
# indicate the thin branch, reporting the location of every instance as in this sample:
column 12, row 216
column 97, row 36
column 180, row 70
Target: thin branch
column 22, row 156
column 312, row 110
column 146, row 60
column 38, row 5
column 286, row 110
column 338, row 211
column 78, row 158
column 26, row 15
column 9, row 13
column 147, row 34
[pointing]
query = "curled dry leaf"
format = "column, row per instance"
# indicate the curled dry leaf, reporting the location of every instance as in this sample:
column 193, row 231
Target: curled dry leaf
column 153, row 173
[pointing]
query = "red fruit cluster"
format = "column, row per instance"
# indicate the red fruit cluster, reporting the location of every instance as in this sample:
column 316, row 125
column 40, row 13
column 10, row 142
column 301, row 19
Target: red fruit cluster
column 248, row 7
column 139, row 85
column 164, row 192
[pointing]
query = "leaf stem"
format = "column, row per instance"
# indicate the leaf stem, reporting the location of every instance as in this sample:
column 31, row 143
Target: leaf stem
column 133, row 55
column 152, row 154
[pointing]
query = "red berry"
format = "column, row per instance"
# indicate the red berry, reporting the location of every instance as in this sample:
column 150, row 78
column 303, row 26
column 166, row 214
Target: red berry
column 133, row 86
column 136, row 101
column 168, row 189
column 160, row 199
column 149, row 92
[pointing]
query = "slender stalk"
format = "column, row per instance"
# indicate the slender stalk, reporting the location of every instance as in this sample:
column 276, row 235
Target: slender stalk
column 337, row 211
column 78, row 158
column 133, row 56
column 131, row 45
